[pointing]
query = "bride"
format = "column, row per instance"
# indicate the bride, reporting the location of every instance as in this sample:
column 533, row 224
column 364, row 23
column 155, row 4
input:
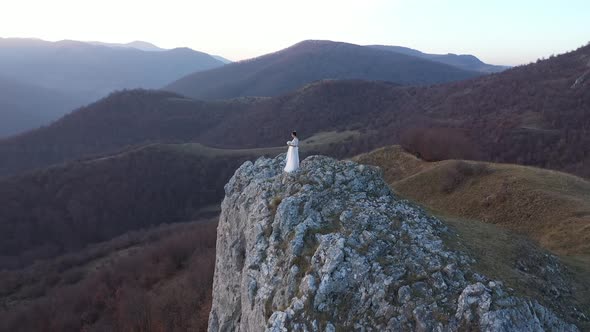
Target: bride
column 292, row 154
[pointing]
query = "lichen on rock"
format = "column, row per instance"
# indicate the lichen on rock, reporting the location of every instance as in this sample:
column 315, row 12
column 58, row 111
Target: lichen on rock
column 331, row 248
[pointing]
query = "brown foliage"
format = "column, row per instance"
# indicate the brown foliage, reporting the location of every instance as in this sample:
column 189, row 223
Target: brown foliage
column 164, row 285
column 434, row 144
column 62, row 209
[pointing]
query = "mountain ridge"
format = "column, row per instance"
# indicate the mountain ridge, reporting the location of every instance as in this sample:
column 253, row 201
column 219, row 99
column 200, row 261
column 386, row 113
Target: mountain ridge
column 308, row 61
column 463, row 61
column 137, row 44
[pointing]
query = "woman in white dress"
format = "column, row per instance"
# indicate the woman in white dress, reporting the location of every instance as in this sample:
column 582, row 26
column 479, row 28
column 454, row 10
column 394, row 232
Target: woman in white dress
column 292, row 154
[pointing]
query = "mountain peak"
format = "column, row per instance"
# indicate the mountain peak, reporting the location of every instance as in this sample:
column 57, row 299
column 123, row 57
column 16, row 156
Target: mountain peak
column 329, row 248
column 318, row 43
column 144, row 46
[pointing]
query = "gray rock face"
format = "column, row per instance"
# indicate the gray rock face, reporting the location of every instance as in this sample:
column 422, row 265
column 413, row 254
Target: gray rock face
column 330, row 248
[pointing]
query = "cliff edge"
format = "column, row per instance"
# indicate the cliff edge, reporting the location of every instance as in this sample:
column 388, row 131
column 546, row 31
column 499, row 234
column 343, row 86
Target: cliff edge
column 331, row 248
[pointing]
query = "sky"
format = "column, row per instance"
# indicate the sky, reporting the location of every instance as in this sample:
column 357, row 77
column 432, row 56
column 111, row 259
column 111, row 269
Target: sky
column 497, row 31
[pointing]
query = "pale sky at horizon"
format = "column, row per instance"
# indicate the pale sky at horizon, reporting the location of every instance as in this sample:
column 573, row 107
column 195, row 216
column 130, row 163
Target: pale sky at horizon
column 498, row 32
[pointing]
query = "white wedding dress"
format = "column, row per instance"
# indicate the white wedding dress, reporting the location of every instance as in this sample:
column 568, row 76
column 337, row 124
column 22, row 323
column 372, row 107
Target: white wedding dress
column 292, row 156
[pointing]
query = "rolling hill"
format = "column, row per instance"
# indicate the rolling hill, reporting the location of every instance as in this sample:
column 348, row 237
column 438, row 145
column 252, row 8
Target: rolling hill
column 308, row 61
column 131, row 118
column 463, row 61
column 137, row 44
column 551, row 207
column 127, row 118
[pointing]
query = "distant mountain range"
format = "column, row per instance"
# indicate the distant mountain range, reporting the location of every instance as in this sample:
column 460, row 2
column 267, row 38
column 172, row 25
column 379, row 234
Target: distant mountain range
column 148, row 47
column 24, row 105
column 138, row 44
column 222, row 59
column 79, row 73
column 94, row 71
column 309, row 61
column 463, row 61
column 534, row 115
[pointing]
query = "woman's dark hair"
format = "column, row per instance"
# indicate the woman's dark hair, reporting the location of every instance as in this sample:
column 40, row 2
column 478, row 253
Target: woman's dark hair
column 294, row 133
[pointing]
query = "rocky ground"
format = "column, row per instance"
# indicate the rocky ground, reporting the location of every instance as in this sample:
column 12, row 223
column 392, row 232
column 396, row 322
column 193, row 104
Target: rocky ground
column 330, row 248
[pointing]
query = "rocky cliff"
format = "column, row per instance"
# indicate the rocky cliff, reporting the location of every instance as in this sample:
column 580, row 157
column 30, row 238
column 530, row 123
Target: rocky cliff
column 330, row 248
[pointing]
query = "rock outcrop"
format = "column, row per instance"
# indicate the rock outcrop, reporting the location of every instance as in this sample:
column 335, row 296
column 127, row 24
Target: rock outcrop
column 582, row 80
column 330, row 248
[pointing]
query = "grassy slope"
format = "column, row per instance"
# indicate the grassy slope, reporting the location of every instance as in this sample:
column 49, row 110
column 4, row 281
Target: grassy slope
column 551, row 207
column 496, row 209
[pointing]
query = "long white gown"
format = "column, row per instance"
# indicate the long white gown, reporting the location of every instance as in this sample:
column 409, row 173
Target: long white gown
column 292, row 156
